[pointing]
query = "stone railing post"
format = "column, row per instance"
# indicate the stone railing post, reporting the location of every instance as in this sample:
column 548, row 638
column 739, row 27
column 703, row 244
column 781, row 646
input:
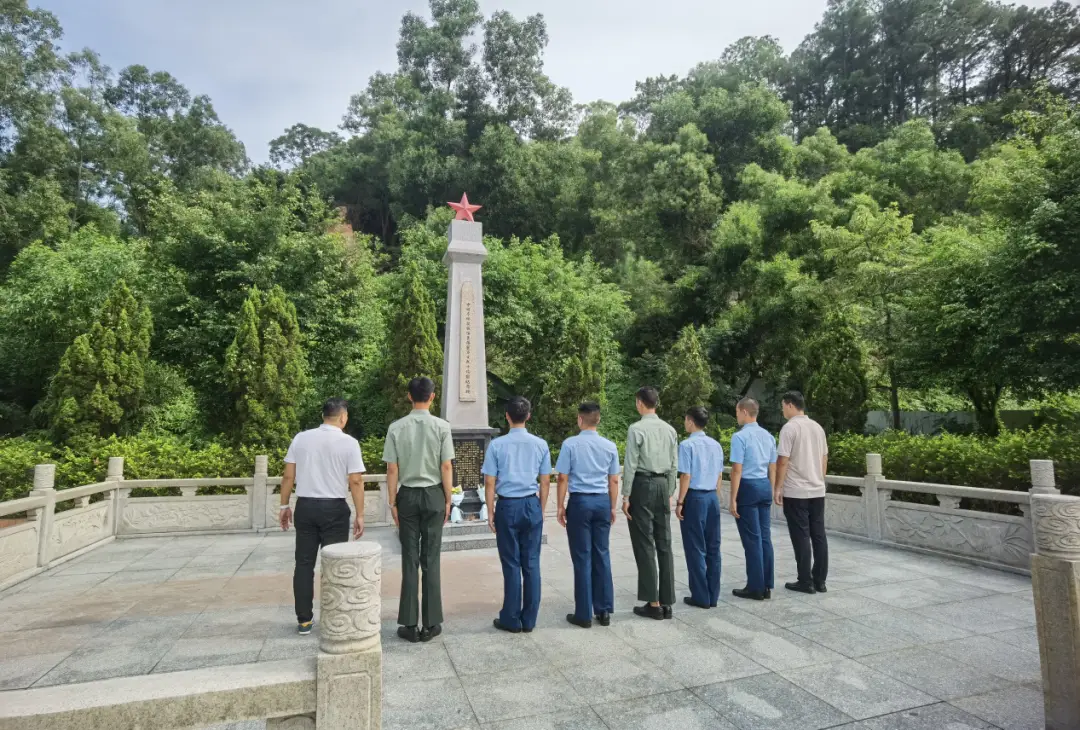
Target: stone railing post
column 384, row 502
column 1055, row 580
column 118, row 496
column 1042, row 477
column 349, row 674
column 44, row 486
column 258, row 494
column 871, row 498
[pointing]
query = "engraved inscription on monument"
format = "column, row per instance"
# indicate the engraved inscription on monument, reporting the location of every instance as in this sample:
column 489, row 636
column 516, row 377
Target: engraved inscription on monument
column 467, row 389
column 469, row 461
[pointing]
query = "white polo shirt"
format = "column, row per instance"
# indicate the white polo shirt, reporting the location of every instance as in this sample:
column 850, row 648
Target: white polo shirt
column 324, row 458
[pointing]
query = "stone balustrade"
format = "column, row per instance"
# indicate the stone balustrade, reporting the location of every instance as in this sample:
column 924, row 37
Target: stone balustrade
column 112, row 508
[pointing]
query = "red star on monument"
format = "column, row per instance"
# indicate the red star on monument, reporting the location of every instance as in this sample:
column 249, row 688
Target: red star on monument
column 464, row 210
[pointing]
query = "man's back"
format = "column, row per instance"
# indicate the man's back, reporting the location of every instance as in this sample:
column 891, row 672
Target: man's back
column 803, row 441
column 418, row 444
column 324, row 458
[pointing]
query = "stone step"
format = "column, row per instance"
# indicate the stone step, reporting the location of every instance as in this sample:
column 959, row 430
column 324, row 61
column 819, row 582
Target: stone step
column 451, row 543
column 475, row 527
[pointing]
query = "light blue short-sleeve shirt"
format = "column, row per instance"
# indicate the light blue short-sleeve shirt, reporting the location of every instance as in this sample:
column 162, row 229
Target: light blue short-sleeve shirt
column 588, row 459
column 701, row 457
column 754, row 448
column 516, row 460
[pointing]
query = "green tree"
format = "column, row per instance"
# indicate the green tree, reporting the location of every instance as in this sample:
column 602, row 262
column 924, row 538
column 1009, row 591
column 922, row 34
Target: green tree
column 577, row 375
column 266, row 371
column 100, row 385
column 837, row 388
column 687, row 379
column 413, row 347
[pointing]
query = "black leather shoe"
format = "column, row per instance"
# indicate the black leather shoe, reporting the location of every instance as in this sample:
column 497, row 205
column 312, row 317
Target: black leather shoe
column 691, row 602
column 410, row 633
column 820, row 588
column 801, row 587
column 667, row 611
column 578, row 622
column 751, row 595
column 654, row 612
column 430, row 632
column 604, row 619
column 768, row 593
column 501, row 627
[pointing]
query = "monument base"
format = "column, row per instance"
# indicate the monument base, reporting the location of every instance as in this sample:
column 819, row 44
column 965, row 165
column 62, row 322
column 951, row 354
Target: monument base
column 470, row 445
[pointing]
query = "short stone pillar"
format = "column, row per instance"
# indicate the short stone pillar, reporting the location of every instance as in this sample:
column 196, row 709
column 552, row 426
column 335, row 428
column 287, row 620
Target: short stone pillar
column 1042, row 477
column 349, row 674
column 1055, row 579
column 258, row 494
column 44, row 486
column 118, row 496
column 870, row 495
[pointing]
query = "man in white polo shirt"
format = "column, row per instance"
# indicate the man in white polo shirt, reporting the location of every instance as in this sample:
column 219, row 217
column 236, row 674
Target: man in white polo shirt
column 803, row 457
column 325, row 464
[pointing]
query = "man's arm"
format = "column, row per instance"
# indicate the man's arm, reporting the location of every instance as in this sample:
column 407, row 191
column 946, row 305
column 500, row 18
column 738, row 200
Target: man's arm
column 447, row 485
column 673, row 475
column 684, row 487
column 287, row 480
column 562, row 486
column 356, row 486
column 736, row 480
column 781, row 474
column 545, row 488
column 391, row 489
column 630, row 464
column 772, row 475
column 489, row 499
column 824, row 464
column 613, row 492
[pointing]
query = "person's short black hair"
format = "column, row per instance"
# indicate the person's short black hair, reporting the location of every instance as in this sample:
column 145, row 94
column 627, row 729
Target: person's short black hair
column 749, row 406
column 699, row 415
column 590, row 413
column 334, row 407
column 518, row 409
column 649, row 396
column 420, row 389
column 795, row 399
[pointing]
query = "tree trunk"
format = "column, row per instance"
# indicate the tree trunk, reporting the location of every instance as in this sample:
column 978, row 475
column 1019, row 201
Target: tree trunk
column 894, row 398
column 985, row 399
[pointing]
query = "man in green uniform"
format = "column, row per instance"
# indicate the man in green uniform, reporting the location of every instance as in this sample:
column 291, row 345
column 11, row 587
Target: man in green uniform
column 418, row 453
column 649, row 479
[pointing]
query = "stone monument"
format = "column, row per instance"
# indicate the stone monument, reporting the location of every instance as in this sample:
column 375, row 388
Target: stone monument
column 464, row 388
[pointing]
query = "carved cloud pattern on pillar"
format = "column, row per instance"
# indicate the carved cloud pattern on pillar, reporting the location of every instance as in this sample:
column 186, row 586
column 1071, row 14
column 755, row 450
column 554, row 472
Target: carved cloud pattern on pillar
column 1057, row 526
column 350, row 618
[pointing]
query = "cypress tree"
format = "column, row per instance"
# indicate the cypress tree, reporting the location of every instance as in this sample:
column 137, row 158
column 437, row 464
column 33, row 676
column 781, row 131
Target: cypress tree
column 267, row 371
column 687, row 379
column 414, row 343
column 100, row 384
column 578, row 377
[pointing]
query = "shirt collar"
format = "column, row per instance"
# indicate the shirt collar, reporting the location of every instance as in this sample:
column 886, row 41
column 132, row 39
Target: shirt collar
column 649, row 415
column 588, row 432
column 518, row 429
column 748, row 425
column 329, row 427
column 695, row 434
column 420, row 412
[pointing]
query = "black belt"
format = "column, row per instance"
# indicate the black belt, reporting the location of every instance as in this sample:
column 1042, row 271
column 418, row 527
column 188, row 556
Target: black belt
column 650, row 474
column 527, row 496
column 429, row 486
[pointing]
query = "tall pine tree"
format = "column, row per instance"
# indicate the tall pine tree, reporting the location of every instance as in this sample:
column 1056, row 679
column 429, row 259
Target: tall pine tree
column 687, row 380
column 267, row 371
column 414, row 342
column 102, row 377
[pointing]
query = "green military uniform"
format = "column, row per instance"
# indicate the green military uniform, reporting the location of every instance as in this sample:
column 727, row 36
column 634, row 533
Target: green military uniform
column 649, row 479
column 419, row 443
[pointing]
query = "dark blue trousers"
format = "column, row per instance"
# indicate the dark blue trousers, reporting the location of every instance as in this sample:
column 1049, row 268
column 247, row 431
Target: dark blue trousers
column 754, row 523
column 588, row 527
column 700, row 527
column 519, row 528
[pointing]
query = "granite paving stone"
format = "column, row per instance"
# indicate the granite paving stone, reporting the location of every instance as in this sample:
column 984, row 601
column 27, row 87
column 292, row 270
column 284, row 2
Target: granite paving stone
column 769, row 702
column 19, row 672
column 104, row 662
column 571, row 644
column 202, row 653
column 937, row 675
column 532, row 691
column 1017, row 708
column 702, row 662
column 857, row 690
column 411, row 662
column 773, row 648
column 494, row 653
column 845, row 604
column 579, row 719
column 618, row 679
column 673, row 711
column 784, row 613
column 1026, row 638
column 852, row 639
column 932, row 717
column 909, row 622
column 433, row 704
column 998, row 658
column 645, row 633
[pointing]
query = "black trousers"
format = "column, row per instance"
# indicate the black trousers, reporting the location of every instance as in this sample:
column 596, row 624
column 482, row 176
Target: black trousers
column 806, row 525
column 318, row 522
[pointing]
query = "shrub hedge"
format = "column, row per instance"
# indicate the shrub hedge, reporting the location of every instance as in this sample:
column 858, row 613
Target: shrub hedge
column 1000, row 462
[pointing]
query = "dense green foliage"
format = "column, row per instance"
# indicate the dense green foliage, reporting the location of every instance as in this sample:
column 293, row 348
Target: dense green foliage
column 885, row 216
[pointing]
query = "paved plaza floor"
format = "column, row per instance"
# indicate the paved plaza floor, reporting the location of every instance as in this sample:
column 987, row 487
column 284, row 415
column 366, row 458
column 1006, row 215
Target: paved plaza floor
column 900, row 642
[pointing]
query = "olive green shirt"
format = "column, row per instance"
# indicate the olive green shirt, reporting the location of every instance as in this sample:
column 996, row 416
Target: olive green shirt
column 419, row 443
column 652, row 446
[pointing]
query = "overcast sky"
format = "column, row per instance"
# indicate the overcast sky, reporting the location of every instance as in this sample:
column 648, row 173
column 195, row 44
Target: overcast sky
column 268, row 64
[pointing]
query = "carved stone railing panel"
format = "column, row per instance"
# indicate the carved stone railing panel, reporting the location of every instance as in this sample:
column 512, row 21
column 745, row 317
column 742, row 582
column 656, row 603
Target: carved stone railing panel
column 18, row 550
column 846, row 514
column 80, row 528
column 1057, row 526
column 177, row 514
column 983, row 536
